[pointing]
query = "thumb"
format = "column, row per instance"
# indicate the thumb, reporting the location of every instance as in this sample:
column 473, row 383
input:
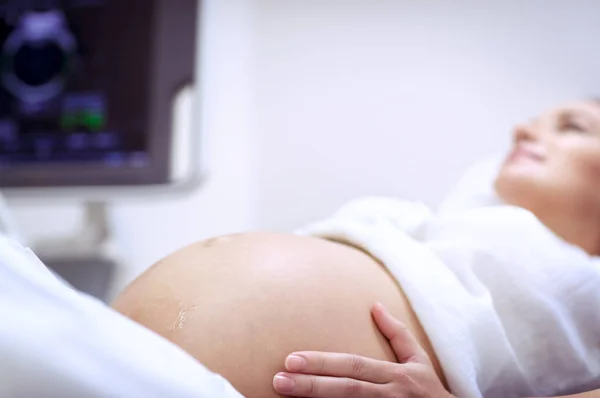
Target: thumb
column 403, row 342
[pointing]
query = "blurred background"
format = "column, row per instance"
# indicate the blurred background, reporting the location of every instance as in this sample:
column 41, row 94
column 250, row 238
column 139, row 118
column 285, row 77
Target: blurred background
column 300, row 106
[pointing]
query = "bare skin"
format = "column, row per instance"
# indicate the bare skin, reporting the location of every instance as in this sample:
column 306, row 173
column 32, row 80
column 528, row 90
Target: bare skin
column 554, row 171
column 344, row 375
column 240, row 304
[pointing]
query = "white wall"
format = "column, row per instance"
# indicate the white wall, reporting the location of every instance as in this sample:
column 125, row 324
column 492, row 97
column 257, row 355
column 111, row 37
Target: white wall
column 397, row 97
column 306, row 104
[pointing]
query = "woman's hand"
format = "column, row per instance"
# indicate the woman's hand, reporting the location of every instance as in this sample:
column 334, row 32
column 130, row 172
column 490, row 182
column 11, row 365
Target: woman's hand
column 330, row 375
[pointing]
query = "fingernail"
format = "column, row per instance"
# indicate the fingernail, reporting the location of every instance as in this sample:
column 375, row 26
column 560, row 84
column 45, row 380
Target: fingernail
column 295, row 363
column 283, row 383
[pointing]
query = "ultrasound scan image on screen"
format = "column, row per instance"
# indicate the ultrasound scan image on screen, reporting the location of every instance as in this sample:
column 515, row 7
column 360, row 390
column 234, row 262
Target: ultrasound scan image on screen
column 76, row 87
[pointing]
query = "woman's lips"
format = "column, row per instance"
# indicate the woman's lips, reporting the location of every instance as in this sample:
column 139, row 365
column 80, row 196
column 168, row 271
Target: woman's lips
column 525, row 153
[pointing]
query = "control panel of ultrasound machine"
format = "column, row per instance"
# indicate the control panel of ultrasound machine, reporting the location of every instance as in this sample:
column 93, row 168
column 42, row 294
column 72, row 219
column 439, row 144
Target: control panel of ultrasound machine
column 86, row 89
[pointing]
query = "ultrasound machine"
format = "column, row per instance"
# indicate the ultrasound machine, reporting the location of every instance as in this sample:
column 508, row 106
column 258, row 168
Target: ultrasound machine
column 89, row 90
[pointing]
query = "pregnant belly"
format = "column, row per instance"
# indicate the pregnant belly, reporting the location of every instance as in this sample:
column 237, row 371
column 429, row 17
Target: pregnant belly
column 241, row 304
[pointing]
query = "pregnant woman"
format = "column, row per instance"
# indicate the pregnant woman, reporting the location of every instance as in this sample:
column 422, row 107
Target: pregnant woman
column 494, row 320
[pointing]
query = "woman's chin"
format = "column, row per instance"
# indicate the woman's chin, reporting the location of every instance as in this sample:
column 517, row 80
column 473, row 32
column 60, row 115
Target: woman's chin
column 515, row 185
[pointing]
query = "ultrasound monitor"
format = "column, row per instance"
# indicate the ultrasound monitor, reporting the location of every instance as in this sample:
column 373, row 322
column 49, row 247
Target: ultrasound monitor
column 87, row 90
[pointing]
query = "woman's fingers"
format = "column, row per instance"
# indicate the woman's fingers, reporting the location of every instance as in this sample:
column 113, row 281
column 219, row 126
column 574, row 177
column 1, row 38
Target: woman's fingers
column 403, row 342
column 339, row 365
column 330, row 375
column 310, row 386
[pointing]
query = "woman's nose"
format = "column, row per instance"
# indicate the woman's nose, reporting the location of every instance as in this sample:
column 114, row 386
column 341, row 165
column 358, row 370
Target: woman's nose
column 524, row 132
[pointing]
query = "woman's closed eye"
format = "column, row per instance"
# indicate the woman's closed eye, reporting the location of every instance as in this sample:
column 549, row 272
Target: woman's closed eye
column 571, row 124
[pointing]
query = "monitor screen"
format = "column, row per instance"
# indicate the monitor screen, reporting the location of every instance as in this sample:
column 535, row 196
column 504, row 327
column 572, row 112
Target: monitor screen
column 79, row 81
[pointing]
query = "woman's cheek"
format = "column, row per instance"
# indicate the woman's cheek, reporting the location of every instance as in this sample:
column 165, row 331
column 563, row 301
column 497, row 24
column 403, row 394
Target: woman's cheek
column 582, row 168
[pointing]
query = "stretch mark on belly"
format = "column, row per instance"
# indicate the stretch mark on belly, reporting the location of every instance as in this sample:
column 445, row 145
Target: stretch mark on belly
column 182, row 313
column 177, row 312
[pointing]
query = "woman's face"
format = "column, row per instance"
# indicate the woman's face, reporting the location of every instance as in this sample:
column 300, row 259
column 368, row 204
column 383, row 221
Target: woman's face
column 555, row 161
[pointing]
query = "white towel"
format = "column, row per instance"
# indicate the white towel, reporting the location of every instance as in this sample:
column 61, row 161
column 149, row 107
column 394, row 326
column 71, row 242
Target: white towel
column 511, row 309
